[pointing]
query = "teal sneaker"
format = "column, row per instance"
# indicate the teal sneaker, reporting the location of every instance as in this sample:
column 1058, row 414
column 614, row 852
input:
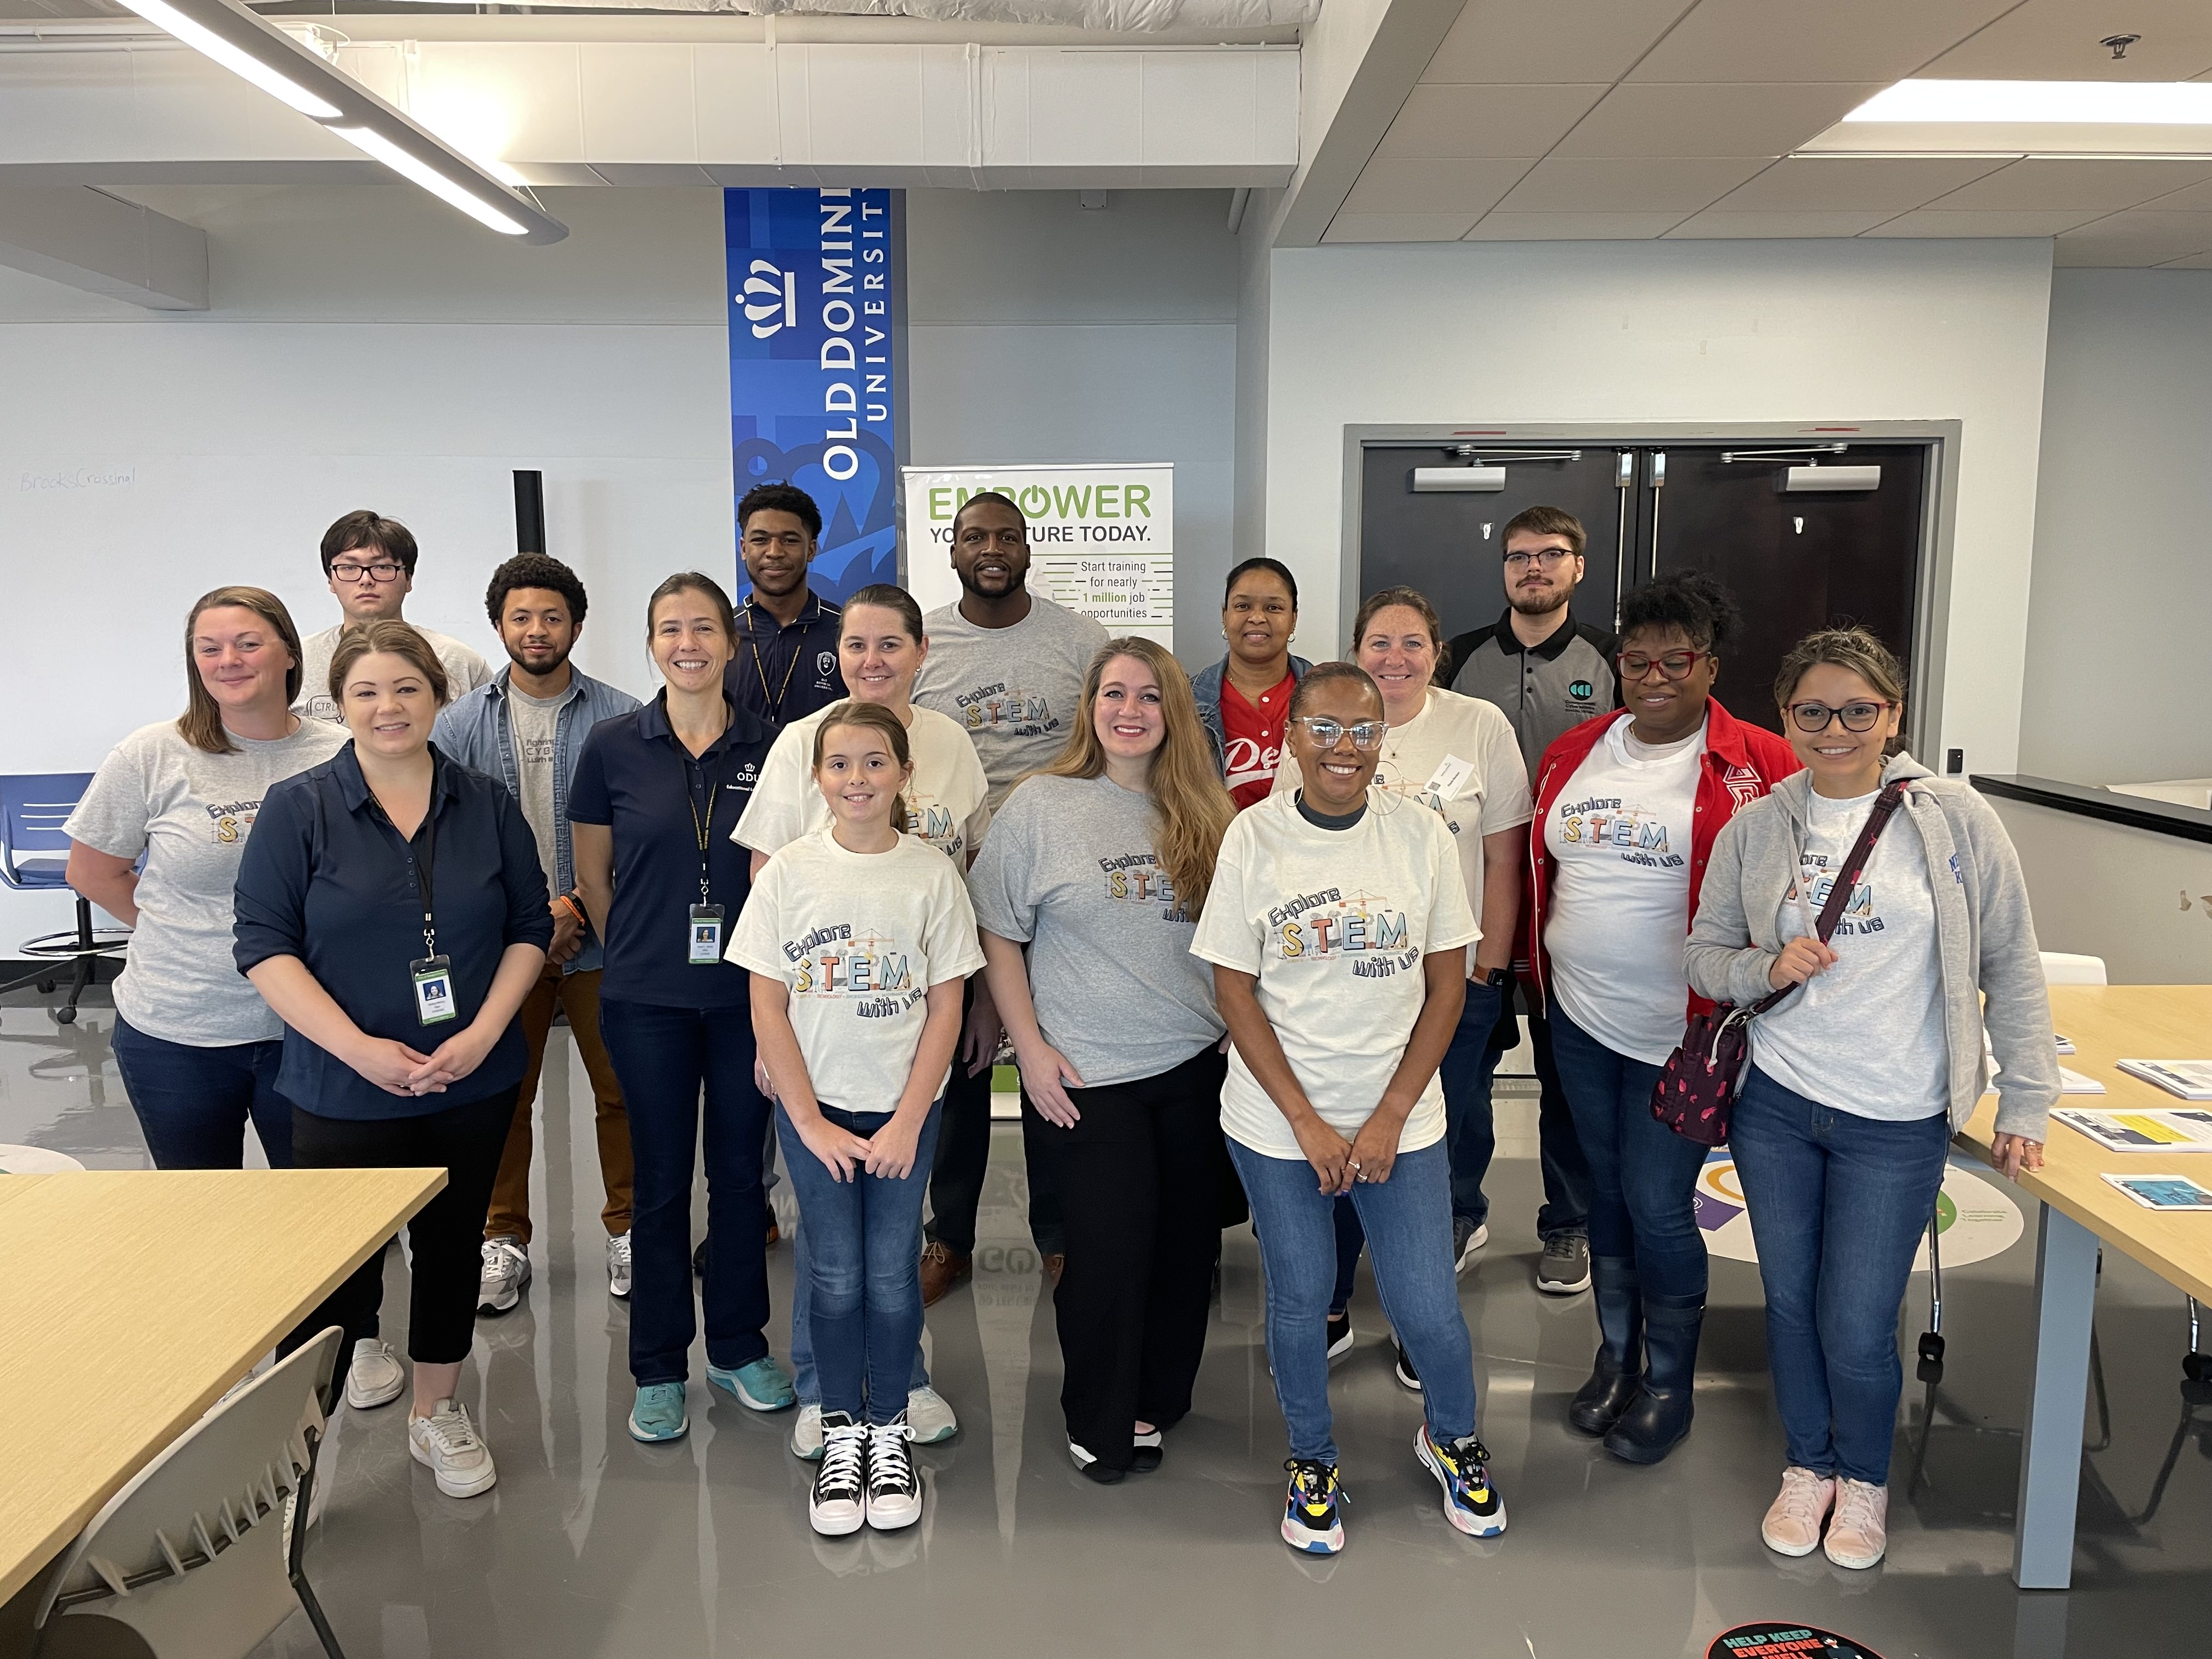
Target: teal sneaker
column 658, row 1413
column 762, row 1386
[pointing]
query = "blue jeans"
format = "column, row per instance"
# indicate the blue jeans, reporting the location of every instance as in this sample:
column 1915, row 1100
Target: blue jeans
column 1407, row 1220
column 193, row 1103
column 804, row 1380
column 663, row 1056
column 864, row 1266
column 1643, row 1177
column 1838, row 1204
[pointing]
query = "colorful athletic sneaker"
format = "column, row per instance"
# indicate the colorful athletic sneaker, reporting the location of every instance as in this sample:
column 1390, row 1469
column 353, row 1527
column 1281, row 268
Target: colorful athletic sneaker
column 1462, row 1469
column 1311, row 1518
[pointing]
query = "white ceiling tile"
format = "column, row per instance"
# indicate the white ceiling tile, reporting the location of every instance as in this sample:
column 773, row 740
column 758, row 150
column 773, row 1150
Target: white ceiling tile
column 1398, row 228
column 2195, row 198
column 2058, row 41
column 1712, row 224
column 1485, row 120
column 1645, row 187
column 1500, row 227
column 1738, row 119
column 1420, row 185
column 1812, row 40
column 1852, row 184
column 2194, row 261
column 1933, row 222
column 2167, row 235
column 2069, row 252
column 2042, row 182
column 1512, row 41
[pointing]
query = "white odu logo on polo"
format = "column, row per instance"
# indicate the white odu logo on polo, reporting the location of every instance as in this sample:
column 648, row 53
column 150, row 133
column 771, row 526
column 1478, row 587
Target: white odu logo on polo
column 771, row 298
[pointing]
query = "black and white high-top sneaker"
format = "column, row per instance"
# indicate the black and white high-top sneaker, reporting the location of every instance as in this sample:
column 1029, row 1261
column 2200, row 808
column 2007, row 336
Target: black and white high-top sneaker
column 894, row 1483
column 838, row 1504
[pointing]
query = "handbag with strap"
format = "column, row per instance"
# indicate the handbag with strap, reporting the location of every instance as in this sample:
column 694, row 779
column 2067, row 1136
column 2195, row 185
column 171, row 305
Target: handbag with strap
column 1698, row 1086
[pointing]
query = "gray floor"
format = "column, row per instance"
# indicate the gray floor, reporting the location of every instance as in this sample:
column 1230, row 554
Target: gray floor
column 593, row 1545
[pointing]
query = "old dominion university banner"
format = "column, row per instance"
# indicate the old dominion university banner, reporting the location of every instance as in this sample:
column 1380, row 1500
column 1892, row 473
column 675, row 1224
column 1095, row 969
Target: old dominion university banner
column 818, row 367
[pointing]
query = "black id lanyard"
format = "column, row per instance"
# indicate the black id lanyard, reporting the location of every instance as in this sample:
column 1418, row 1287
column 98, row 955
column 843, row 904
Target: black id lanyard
column 774, row 699
column 432, row 975
column 703, row 936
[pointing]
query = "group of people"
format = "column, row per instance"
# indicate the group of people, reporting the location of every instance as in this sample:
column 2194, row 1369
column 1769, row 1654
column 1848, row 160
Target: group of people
column 1257, row 939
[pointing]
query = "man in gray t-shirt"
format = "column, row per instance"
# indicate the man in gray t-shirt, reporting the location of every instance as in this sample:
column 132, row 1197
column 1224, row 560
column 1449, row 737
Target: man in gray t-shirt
column 1008, row 665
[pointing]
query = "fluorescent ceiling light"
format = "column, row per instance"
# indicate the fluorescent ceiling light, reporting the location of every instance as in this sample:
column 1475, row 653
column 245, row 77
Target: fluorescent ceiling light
column 235, row 58
column 2104, row 103
column 414, row 167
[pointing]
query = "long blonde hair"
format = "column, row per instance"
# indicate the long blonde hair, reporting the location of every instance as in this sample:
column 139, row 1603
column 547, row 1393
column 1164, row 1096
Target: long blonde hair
column 1191, row 809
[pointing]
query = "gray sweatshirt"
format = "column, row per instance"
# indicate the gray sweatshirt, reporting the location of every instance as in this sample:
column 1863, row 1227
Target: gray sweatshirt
column 1985, row 936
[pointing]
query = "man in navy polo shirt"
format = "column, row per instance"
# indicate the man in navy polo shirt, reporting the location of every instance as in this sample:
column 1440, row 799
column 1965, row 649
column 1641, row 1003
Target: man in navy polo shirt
column 787, row 662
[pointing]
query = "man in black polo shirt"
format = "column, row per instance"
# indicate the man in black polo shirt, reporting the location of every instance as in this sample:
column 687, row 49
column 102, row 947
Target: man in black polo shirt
column 787, row 662
column 1547, row 671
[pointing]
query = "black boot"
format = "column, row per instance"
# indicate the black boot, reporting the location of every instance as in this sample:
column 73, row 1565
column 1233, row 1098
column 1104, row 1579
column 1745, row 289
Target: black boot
column 1620, row 1367
column 1655, row 1423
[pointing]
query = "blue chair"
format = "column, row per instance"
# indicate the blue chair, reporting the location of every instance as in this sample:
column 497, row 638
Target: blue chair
column 34, row 859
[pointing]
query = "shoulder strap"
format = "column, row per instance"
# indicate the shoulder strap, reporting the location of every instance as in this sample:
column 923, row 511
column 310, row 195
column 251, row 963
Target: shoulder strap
column 1885, row 805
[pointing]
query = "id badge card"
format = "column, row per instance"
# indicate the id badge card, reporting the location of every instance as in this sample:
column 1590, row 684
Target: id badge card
column 706, row 935
column 433, row 989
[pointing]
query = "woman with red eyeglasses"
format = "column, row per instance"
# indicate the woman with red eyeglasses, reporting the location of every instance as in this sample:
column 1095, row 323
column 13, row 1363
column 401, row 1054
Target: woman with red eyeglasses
column 1627, row 806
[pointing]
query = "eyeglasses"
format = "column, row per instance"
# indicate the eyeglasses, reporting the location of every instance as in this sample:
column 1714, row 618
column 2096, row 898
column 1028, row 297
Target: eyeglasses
column 1549, row 557
column 1674, row 666
column 1856, row 716
column 790, row 541
column 1365, row 734
column 384, row 570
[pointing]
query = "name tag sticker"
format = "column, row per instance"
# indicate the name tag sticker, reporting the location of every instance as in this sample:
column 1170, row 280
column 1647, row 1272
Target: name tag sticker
column 1452, row 772
column 706, row 935
column 433, row 989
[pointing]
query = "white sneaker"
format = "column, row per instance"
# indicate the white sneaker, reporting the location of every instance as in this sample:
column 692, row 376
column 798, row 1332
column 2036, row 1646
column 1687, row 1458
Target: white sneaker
column 506, row 1270
column 374, row 1378
column 1858, row 1533
column 618, row 1266
column 1793, row 1522
column 446, row 1444
column 806, row 1433
column 838, row 1504
column 894, row 1483
column 929, row 1416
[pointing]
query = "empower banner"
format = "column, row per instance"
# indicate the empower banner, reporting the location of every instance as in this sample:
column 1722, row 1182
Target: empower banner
column 1102, row 538
column 818, row 367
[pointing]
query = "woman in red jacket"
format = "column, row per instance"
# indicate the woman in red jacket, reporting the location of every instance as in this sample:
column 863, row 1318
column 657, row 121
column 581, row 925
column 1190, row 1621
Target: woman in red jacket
column 1627, row 806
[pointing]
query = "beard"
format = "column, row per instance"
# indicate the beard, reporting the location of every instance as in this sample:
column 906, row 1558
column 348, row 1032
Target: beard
column 1540, row 603
column 547, row 666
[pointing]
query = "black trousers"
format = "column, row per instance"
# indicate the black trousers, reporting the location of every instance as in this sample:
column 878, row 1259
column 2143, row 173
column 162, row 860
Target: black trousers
column 445, row 1236
column 963, row 1157
column 1138, row 1180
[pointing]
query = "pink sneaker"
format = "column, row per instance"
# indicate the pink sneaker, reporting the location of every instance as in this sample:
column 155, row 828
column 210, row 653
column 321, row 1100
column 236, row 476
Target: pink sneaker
column 1860, row 1532
column 1792, row 1526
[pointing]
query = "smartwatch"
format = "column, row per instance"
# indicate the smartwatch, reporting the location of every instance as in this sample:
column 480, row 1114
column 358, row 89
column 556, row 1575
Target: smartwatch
column 1499, row 979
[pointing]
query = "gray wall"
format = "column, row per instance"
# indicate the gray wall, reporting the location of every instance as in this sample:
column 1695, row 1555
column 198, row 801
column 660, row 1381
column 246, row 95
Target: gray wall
column 2121, row 610
column 1044, row 332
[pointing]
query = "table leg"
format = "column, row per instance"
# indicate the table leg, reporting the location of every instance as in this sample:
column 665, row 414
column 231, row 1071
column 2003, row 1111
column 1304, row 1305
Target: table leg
column 2050, row 1454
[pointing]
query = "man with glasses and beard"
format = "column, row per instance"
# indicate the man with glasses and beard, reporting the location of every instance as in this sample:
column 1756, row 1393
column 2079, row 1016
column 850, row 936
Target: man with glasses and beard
column 787, row 662
column 369, row 563
column 1548, row 672
column 1008, row 665
column 526, row 727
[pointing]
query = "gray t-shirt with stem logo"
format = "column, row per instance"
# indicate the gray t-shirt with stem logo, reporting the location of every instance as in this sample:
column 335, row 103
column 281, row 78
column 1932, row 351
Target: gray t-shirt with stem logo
column 1068, row 868
column 1016, row 691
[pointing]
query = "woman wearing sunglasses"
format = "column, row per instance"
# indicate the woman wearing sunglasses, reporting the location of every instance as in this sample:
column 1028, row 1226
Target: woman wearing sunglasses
column 1859, row 1079
column 1627, row 807
column 1337, row 925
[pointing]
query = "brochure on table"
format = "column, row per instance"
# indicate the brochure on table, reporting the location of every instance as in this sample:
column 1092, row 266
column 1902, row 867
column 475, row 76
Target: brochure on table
column 2154, row 1130
column 2163, row 1192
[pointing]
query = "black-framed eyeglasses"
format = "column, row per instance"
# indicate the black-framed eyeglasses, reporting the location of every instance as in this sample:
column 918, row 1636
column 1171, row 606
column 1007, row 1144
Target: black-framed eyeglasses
column 1551, row 557
column 384, row 570
column 1856, row 716
column 1327, row 732
column 1672, row 664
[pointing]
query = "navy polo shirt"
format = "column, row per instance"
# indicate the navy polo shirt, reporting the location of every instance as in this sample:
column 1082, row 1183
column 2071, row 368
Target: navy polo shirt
column 783, row 671
column 325, row 878
column 635, row 777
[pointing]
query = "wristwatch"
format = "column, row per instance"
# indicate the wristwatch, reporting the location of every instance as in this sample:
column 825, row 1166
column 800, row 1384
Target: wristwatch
column 1499, row 979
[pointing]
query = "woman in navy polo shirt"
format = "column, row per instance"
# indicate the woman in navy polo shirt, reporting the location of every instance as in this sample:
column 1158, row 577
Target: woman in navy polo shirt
column 655, row 797
column 391, row 909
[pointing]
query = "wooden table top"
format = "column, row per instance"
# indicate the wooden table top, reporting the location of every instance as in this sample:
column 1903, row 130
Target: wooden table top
column 134, row 1298
column 2110, row 1023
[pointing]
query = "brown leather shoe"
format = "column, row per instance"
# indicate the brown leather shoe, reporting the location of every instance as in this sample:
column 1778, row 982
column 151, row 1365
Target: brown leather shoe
column 1054, row 1266
column 942, row 1267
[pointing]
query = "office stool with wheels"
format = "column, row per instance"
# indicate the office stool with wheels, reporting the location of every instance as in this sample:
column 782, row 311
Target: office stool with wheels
column 33, row 807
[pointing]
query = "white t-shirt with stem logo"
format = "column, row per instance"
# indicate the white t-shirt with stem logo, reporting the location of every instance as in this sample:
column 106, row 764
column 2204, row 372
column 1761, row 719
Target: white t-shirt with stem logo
column 945, row 801
column 859, row 940
column 1334, row 924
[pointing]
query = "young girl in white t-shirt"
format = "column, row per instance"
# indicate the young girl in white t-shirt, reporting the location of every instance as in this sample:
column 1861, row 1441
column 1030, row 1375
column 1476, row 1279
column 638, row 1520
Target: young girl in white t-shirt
column 857, row 938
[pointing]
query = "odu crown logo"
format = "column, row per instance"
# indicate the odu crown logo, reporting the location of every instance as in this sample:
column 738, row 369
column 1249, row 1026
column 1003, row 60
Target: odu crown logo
column 771, row 298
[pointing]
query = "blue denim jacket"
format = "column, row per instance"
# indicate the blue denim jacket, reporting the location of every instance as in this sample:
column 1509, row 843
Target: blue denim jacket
column 1205, row 687
column 477, row 733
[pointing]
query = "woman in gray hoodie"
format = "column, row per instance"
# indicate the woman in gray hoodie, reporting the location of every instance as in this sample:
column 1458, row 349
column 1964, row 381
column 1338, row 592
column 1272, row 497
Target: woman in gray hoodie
column 1859, row 1080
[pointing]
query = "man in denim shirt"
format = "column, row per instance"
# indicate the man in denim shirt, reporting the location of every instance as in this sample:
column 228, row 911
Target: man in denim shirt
column 526, row 728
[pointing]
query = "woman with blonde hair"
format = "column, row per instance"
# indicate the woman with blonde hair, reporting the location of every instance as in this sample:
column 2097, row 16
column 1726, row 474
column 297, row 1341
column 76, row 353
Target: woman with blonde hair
column 1099, row 865
column 197, row 1046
